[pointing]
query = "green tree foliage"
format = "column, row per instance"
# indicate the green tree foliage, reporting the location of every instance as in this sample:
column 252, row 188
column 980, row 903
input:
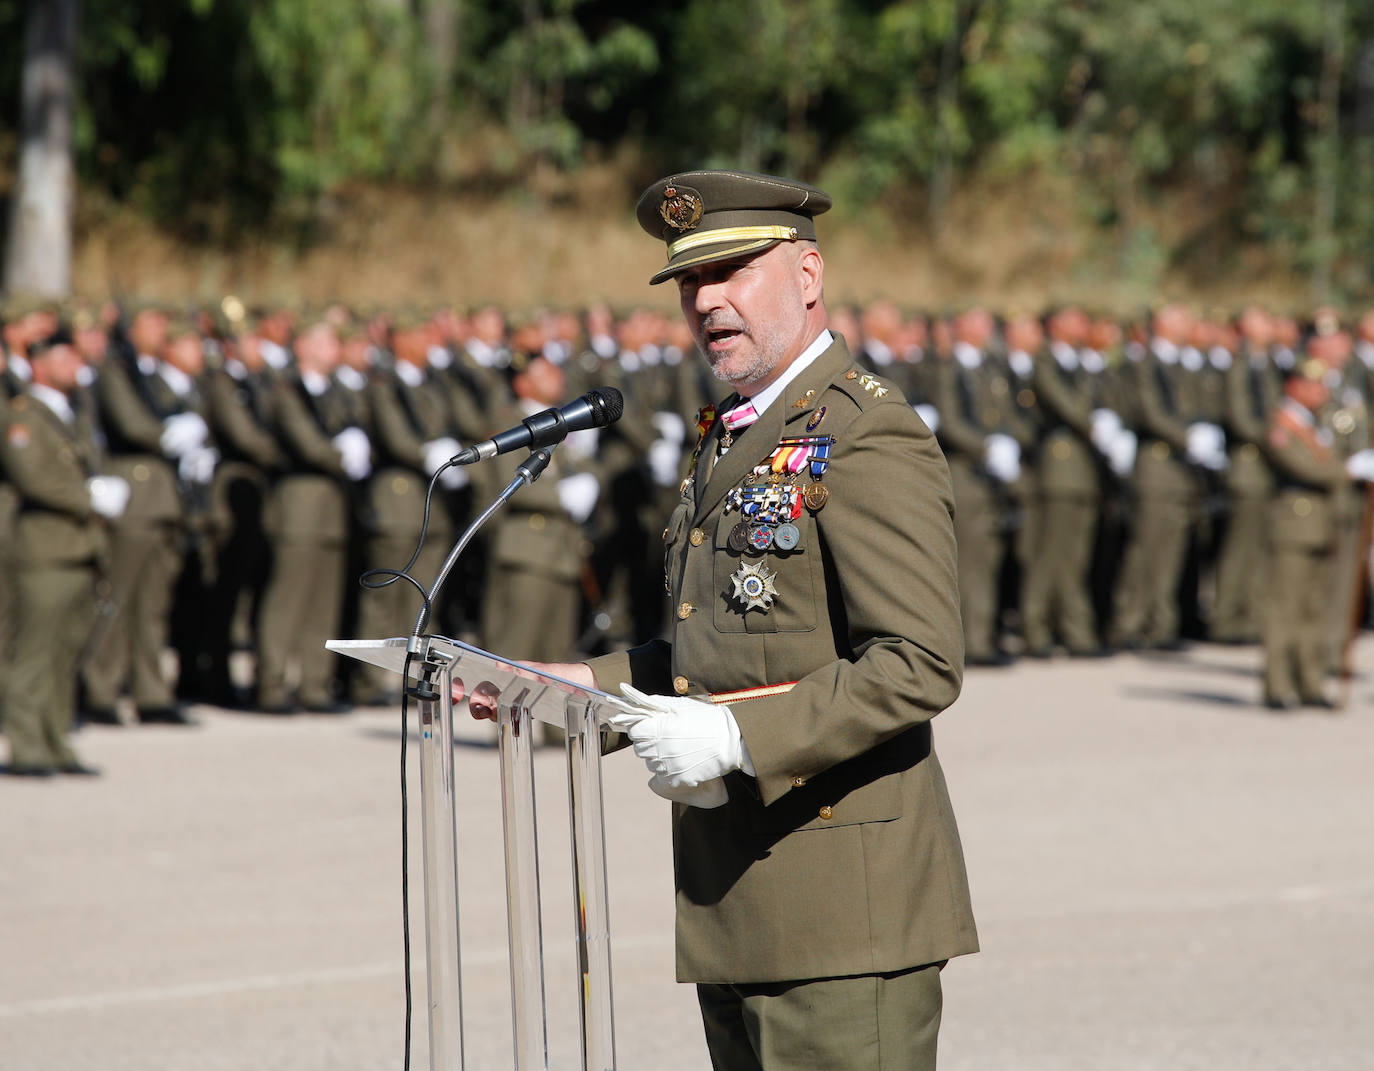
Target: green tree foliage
column 216, row 114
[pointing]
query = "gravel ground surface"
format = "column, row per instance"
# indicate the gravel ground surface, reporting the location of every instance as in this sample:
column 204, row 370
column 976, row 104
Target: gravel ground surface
column 1165, row 876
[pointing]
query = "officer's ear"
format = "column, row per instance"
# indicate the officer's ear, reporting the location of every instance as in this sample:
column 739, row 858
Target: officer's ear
column 812, row 270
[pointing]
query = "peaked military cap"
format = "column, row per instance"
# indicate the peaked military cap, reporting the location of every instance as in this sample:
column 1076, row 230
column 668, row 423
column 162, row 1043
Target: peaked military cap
column 706, row 216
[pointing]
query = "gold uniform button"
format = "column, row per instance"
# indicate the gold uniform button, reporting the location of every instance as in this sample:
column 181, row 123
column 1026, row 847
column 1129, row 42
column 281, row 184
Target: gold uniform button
column 698, row 537
column 1025, row 398
column 665, row 535
column 799, row 782
column 1062, row 451
column 999, row 386
column 991, row 418
column 141, row 472
column 1302, row 507
column 685, row 611
column 399, row 485
column 681, row 684
column 827, row 811
column 1160, row 451
column 537, row 521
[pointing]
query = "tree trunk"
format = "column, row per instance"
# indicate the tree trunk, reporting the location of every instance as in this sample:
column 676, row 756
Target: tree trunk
column 1325, row 244
column 441, row 38
column 39, row 258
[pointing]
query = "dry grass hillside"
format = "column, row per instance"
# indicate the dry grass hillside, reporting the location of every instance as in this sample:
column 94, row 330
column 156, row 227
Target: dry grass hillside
column 1014, row 246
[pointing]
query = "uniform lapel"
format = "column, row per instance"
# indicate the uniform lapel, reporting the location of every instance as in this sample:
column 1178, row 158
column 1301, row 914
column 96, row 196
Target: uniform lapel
column 757, row 441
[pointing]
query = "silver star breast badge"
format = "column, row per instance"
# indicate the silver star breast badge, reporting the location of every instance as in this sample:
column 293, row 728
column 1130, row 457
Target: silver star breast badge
column 754, row 586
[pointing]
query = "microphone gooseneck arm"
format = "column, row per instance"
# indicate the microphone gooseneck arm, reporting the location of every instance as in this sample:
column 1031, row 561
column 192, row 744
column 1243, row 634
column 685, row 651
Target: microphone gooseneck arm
column 526, row 473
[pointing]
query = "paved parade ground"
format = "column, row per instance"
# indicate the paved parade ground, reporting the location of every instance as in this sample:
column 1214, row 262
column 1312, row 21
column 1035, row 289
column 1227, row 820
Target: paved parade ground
column 1165, row 876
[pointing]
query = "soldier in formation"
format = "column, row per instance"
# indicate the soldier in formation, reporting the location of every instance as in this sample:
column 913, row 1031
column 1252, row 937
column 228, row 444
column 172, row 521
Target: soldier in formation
column 1115, row 484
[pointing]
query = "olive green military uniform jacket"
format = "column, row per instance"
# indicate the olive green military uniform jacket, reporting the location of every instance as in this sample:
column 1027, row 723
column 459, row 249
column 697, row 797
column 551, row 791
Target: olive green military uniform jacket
column 1253, row 389
column 404, row 418
column 49, row 461
column 1067, row 465
column 310, row 503
column 841, row 857
column 1309, row 475
column 134, row 430
column 1161, row 466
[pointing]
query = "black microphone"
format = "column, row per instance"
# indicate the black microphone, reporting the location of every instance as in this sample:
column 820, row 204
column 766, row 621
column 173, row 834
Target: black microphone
column 595, row 409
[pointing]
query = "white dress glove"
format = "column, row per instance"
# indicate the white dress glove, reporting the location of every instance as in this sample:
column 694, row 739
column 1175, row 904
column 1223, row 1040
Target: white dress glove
column 1002, row 457
column 109, row 495
column 436, row 454
column 1207, row 446
column 355, row 453
column 1361, row 466
column 577, row 494
column 929, row 414
column 685, row 741
column 1121, row 453
column 1106, row 428
column 198, row 466
column 708, row 795
column 183, row 433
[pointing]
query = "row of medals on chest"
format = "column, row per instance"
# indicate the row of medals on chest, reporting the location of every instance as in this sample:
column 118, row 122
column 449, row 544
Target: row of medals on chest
column 770, row 500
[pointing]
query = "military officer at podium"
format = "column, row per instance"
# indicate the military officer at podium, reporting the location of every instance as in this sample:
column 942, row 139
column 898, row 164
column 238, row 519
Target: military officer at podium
column 815, row 633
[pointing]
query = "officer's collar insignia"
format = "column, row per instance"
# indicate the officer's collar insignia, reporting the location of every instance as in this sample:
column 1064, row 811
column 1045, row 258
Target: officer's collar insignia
column 681, row 208
column 804, row 400
column 814, row 421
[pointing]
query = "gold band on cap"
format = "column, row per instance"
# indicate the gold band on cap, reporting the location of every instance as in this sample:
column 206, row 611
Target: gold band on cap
column 732, row 234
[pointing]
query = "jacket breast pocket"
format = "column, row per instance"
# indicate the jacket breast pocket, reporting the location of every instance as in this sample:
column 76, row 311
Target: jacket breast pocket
column 773, row 591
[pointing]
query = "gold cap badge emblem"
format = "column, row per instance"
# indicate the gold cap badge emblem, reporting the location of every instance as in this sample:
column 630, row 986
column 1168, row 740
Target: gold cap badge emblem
column 681, row 209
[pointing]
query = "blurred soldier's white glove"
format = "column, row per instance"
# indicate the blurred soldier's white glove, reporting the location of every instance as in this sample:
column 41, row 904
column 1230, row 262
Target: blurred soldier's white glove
column 1121, row 453
column 708, row 795
column 109, row 495
column 198, row 466
column 355, row 453
column 183, row 433
column 1361, row 466
column 435, row 453
column 1106, row 428
column 684, row 741
column 1002, row 457
column 929, row 414
column 577, row 494
column 665, row 454
column 1207, row 446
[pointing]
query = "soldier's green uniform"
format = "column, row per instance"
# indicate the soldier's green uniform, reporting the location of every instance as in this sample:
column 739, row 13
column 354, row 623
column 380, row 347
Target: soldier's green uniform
column 972, row 408
column 1055, row 596
column 1165, row 494
column 1348, row 418
column 834, row 650
column 1302, row 527
column 307, row 523
column 59, row 544
column 406, row 414
column 1253, row 388
column 148, row 543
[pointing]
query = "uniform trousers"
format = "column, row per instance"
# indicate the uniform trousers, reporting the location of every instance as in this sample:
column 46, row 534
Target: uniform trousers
column 56, row 604
column 145, row 561
column 980, row 555
column 300, row 611
column 872, row 1022
column 1147, row 601
column 1055, row 594
column 1241, row 571
column 1296, row 641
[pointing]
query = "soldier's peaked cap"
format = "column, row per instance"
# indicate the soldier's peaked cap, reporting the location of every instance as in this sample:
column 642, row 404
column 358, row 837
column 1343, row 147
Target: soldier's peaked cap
column 706, row 216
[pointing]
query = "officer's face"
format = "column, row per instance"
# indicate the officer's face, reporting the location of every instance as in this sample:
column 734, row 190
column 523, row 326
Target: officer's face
column 748, row 315
column 58, row 368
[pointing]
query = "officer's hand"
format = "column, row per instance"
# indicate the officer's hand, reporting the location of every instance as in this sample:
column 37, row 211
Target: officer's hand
column 482, row 701
column 684, row 741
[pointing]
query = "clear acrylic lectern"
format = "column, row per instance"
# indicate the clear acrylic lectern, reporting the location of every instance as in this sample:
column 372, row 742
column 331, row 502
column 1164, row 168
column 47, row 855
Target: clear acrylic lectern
column 526, row 696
